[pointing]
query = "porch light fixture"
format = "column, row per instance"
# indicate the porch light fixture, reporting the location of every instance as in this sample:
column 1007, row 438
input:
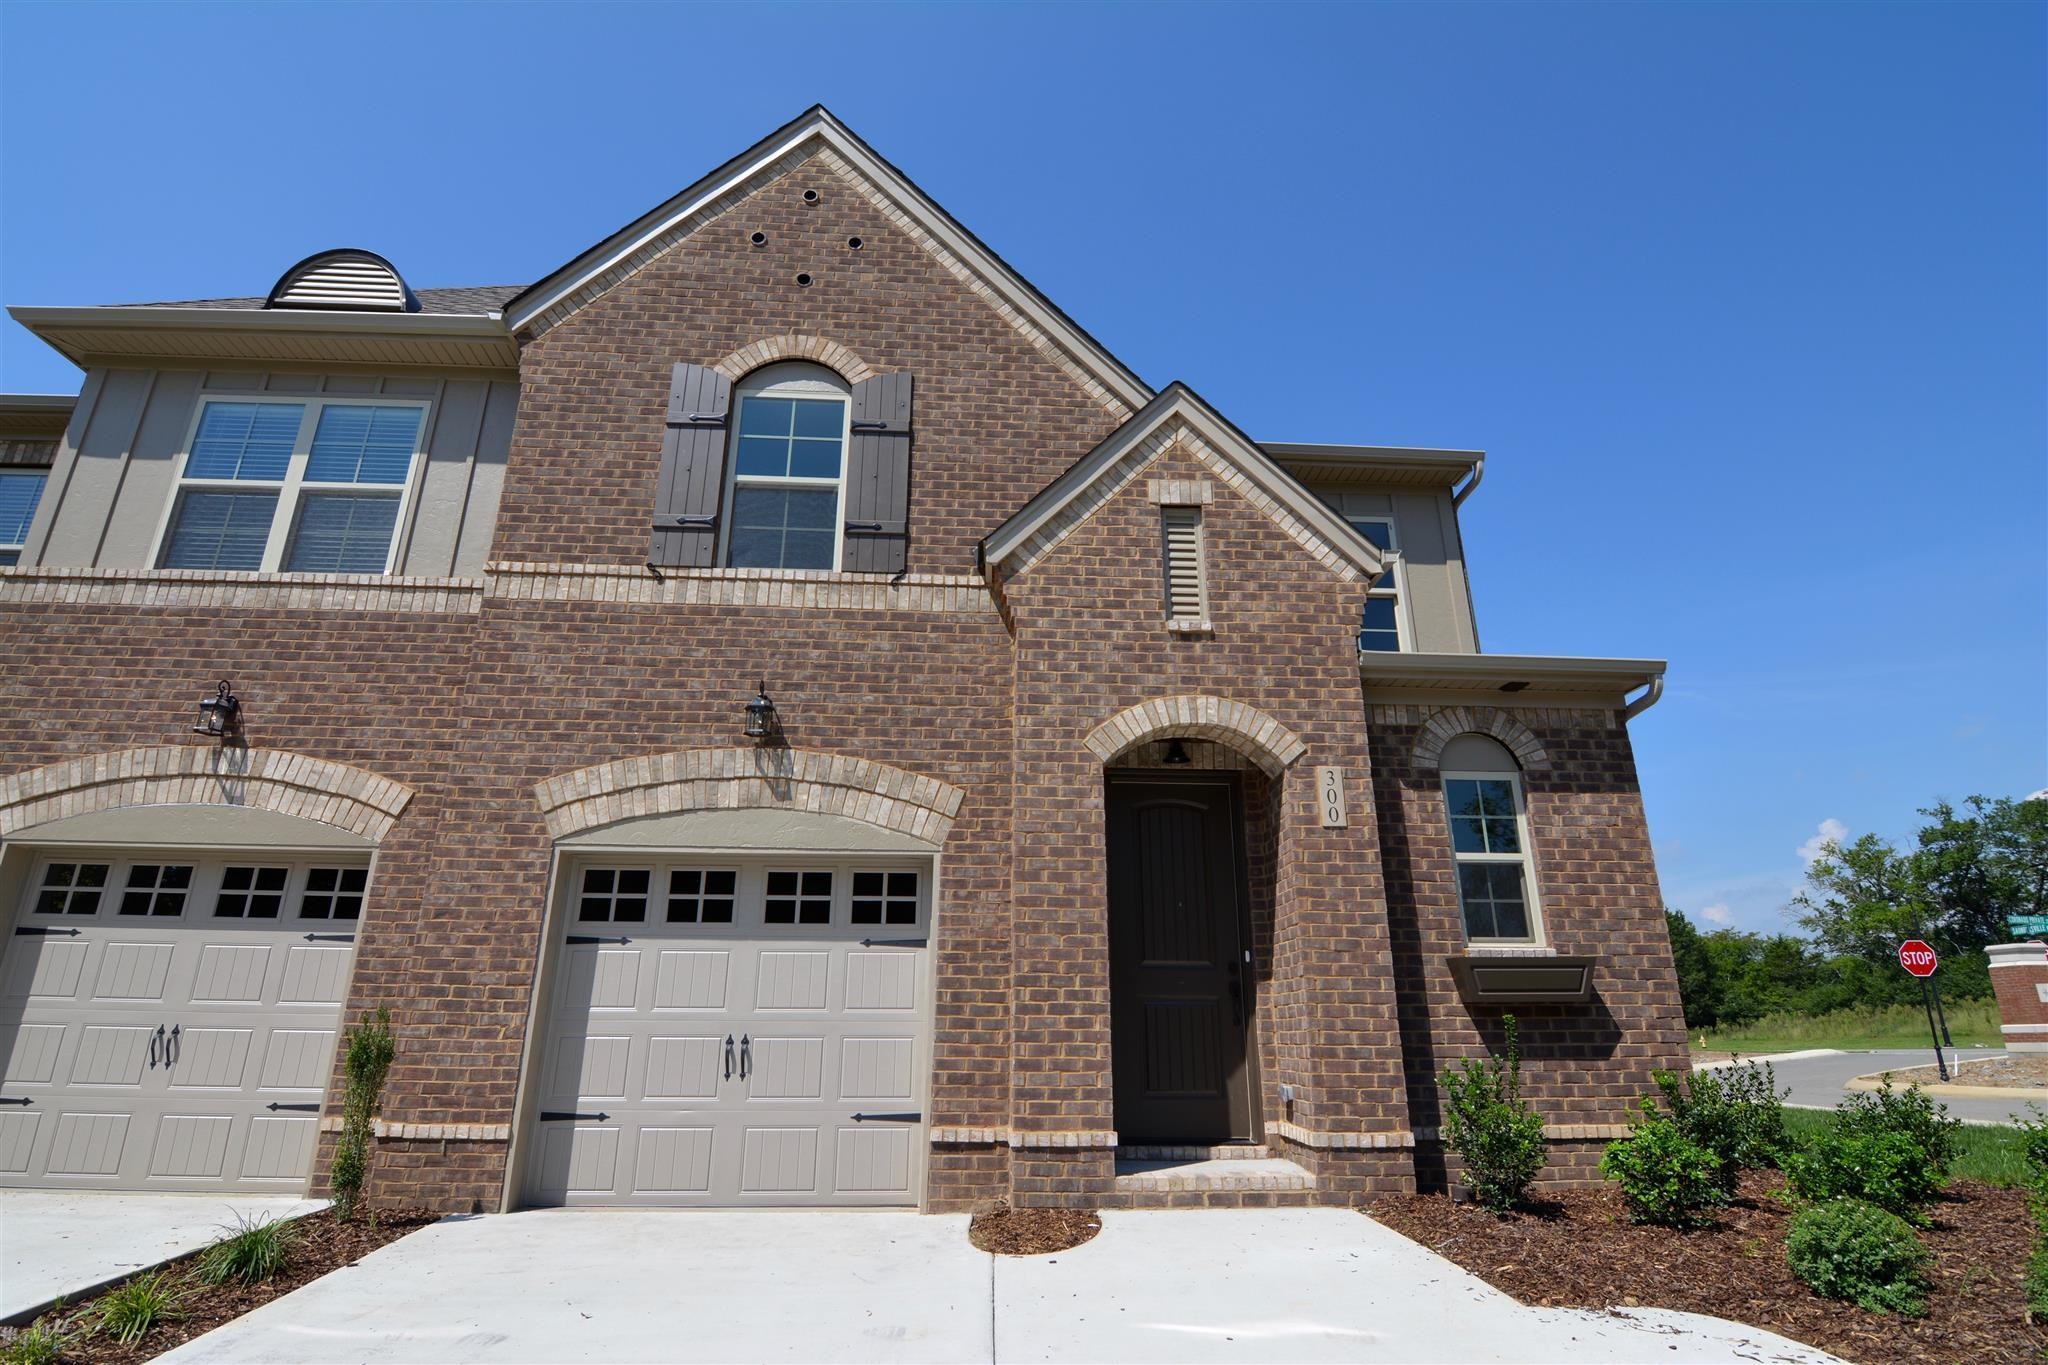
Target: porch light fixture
column 220, row 715
column 1176, row 754
column 762, row 722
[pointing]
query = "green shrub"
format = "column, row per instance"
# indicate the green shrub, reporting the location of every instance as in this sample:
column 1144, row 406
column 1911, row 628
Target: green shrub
column 2037, row 1275
column 1737, row 1113
column 368, row 1051
column 1878, row 1166
column 1908, row 1111
column 40, row 1343
column 1487, row 1122
column 2034, row 1142
column 1665, row 1177
column 128, row 1312
column 1847, row 1249
column 254, row 1249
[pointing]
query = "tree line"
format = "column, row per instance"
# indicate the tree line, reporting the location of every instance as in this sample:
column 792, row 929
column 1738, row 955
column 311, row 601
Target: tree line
column 1957, row 884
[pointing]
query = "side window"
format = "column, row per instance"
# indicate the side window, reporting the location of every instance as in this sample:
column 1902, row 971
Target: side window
column 308, row 487
column 1381, row 628
column 1484, row 804
column 71, row 889
column 20, row 492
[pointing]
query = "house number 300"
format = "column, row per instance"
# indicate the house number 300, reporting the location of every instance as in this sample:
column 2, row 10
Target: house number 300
column 1330, row 796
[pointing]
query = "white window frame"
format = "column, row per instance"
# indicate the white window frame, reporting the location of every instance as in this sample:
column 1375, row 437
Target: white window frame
column 750, row 893
column 20, row 547
column 284, row 521
column 1392, row 584
column 788, row 380
column 201, row 896
column 1526, row 859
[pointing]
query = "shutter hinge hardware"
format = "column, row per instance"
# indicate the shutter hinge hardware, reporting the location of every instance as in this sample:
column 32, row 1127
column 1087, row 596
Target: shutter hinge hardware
column 870, row 426
column 713, row 419
column 704, row 521
column 864, row 526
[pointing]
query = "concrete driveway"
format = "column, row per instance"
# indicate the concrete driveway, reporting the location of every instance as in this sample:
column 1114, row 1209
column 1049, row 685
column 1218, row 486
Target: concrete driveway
column 1282, row 1285
column 63, row 1243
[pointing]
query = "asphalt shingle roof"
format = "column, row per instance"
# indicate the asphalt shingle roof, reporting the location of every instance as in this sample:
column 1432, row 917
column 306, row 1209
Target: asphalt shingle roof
column 482, row 298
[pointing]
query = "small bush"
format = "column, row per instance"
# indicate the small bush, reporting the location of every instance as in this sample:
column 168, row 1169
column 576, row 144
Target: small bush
column 37, row 1344
column 1665, row 1177
column 368, row 1051
column 1487, row 1122
column 1850, row 1250
column 254, row 1249
column 1877, row 1166
column 2034, row 1142
column 2037, row 1277
column 127, row 1313
column 1737, row 1113
column 1909, row 1111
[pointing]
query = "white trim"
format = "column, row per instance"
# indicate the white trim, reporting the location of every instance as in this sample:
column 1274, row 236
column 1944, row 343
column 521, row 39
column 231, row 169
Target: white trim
column 284, row 517
column 1525, row 859
column 796, row 381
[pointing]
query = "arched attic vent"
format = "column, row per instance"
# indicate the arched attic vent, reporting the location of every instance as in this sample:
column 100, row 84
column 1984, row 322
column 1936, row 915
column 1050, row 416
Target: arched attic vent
column 347, row 280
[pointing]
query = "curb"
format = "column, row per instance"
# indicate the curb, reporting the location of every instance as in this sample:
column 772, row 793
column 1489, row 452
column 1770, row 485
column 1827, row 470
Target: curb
column 1952, row 1090
column 1769, row 1057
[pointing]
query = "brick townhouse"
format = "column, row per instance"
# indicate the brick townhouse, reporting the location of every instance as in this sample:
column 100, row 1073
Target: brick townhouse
column 780, row 716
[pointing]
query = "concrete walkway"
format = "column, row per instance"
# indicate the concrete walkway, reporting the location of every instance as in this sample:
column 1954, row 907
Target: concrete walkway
column 63, row 1243
column 1280, row 1285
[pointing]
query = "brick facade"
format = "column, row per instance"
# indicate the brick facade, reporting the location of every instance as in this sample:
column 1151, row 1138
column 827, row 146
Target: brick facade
column 481, row 697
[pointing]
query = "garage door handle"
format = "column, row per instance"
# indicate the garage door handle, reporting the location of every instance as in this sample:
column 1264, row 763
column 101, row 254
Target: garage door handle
column 174, row 1047
column 728, row 1056
column 295, row 1108
column 894, row 942
column 565, row 1116
column 44, row 931
column 23, row 1100
column 156, row 1041
column 888, row 1118
column 746, row 1055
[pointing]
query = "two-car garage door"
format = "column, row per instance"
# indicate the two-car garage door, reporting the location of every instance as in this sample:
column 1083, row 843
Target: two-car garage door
column 729, row 1032
column 167, row 1022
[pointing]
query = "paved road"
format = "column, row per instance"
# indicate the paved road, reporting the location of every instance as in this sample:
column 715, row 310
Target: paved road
column 1817, row 1081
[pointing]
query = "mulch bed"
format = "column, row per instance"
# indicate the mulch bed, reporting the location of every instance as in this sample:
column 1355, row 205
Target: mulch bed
column 325, row 1243
column 1579, row 1250
column 1032, row 1232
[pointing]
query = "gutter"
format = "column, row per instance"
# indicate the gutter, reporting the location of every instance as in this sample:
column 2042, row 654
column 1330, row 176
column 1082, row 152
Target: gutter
column 1471, row 485
column 1646, row 701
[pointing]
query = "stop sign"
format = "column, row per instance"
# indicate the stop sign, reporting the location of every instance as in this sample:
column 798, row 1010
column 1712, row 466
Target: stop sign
column 1917, row 957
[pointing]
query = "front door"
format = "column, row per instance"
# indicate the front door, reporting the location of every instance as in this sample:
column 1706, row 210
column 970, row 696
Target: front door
column 1180, row 973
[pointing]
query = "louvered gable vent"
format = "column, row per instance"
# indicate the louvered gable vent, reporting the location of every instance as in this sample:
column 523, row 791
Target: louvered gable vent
column 1184, row 589
column 344, row 281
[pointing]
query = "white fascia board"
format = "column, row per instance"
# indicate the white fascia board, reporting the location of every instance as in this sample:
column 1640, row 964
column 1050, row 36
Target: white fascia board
column 1179, row 402
column 50, row 402
column 262, row 320
column 1480, row 670
column 1449, row 465
column 819, row 125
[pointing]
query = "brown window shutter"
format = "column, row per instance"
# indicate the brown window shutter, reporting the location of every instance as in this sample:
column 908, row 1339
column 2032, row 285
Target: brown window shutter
column 692, row 485
column 1184, row 595
column 878, row 477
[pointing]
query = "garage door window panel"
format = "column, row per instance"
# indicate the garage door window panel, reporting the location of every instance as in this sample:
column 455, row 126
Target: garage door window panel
column 798, row 897
column 702, row 895
column 614, row 895
column 334, row 893
column 157, row 890
column 248, row 892
column 888, row 897
column 71, row 889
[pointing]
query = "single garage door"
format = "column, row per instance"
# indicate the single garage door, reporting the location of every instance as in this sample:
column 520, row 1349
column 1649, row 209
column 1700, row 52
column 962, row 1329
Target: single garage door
column 167, row 1022
column 735, row 1033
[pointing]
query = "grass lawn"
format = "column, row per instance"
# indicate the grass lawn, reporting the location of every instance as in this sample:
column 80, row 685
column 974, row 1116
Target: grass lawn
column 1993, row 1155
column 1972, row 1023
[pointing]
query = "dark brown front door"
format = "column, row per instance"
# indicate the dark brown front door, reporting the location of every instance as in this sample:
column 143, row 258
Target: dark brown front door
column 1179, row 979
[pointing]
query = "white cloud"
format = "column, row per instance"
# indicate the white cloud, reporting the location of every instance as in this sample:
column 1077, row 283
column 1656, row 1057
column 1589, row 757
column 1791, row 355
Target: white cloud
column 1831, row 831
column 1719, row 914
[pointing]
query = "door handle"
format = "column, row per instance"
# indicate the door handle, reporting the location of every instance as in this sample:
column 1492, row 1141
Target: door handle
column 728, row 1056
column 156, row 1041
column 746, row 1055
column 174, row 1047
column 1236, row 999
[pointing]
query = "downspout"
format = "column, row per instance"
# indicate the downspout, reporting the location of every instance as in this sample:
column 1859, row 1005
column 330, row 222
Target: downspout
column 1478, row 473
column 1644, row 702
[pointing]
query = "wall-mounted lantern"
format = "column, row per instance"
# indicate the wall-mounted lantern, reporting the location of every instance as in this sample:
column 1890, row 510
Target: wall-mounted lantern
column 762, row 722
column 1176, row 754
column 220, row 715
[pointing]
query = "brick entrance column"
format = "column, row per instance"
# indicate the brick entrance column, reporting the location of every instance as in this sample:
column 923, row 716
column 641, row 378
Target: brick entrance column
column 2019, row 974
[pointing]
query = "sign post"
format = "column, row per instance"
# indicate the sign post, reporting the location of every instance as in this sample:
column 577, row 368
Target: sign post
column 1918, row 957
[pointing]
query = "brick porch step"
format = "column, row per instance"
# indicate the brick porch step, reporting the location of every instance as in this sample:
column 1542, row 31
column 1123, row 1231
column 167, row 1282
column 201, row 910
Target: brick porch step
column 1234, row 1151
column 1226, row 1175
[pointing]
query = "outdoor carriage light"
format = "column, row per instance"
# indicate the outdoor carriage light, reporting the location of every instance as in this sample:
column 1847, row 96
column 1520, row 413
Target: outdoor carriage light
column 220, row 715
column 762, row 722
column 1176, row 753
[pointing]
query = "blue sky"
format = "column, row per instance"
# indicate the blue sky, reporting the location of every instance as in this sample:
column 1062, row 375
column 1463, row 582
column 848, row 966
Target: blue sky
column 1746, row 302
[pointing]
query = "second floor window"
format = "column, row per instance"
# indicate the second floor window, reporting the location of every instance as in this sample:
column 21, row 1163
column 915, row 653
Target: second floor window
column 306, row 487
column 788, row 462
column 1381, row 629
column 20, row 491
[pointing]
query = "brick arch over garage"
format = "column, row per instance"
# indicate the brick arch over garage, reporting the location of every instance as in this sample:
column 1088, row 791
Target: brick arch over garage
column 749, row 779
column 1446, row 725
column 1248, row 730
column 796, row 346
column 352, row 799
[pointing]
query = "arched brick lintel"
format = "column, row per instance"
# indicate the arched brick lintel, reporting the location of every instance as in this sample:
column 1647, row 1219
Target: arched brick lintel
column 795, row 346
column 276, row 780
column 1250, row 731
column 749, row 779
column 1446, row 725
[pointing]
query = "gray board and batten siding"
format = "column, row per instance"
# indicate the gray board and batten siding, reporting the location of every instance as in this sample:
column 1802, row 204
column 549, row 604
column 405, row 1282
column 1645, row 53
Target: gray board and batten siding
column 117, row 468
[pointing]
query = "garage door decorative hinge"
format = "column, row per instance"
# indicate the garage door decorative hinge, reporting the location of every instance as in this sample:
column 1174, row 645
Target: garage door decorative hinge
column 564, row 1116
column 24, row 1100
column 330, row 938
column 593, row 938
column 297, row 1108
column 894, row 942
column 888, row 1118
column 44, row 931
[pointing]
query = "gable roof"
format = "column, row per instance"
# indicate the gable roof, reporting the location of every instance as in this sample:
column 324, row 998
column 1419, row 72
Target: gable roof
column 1179, row 414
column 562, row 291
